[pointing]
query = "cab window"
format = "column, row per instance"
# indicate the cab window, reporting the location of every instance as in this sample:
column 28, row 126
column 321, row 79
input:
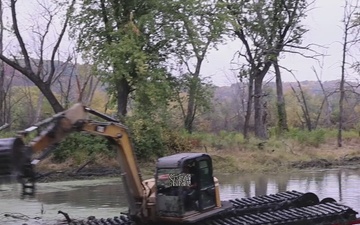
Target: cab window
column 206, row 178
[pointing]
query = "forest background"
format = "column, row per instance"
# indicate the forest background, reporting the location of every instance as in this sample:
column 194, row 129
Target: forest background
column 141, row 61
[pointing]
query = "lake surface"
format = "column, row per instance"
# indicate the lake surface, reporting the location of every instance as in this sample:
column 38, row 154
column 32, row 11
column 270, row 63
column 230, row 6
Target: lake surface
column 106, row 198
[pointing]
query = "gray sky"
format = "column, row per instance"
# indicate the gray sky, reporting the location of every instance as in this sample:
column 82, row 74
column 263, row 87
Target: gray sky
column 324, row 24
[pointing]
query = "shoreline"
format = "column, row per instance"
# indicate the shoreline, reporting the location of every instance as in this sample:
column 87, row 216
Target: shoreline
column 95, row 171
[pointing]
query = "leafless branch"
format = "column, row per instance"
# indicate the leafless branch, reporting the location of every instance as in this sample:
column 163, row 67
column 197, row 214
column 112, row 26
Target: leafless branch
column 58, row 42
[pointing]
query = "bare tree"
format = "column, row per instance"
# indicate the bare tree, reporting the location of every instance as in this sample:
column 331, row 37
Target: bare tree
column 37, row 70
column 350, row 37
column 2, row 75
column 80, row 85
column 304, row 106
column 326, row 101
column 86, row 83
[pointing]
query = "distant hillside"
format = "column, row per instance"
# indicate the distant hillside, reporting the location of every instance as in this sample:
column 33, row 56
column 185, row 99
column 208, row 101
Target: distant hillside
column 65, row 70
column 312, row 87
column 69, row 71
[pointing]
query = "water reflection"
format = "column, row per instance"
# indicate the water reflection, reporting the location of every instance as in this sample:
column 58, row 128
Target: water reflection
column 340, row 184
column 105, row 195
column 101, row 198
column 106, row 198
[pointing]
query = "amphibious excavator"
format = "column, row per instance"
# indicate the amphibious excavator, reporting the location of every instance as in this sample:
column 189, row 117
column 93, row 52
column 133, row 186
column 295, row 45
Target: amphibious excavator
column 183, row 191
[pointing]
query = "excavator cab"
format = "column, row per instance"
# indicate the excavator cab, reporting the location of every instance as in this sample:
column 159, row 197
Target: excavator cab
column 185, row 185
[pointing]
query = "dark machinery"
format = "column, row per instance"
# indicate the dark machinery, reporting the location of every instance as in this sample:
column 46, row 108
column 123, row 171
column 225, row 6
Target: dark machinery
column 183, row 190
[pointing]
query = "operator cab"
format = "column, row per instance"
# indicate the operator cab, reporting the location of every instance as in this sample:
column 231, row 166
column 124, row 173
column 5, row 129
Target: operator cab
column 185, row 185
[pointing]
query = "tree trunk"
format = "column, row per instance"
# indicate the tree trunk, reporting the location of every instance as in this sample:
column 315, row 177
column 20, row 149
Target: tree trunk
column 2, row 75
column 191, row 108
column 342, row 89
column 2, row 94
column 92, row 89
column 282, row 117
column 123, row 91
column 193, row 89
column 248, row 107
column 39, row 107
column 49, row 95
column 260, row 129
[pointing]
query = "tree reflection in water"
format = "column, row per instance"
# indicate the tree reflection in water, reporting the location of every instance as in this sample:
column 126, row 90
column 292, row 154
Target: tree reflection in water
column 99, row 197
column 340, row 184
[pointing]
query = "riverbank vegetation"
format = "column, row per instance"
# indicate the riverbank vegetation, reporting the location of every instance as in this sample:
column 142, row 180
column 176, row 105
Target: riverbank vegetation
column 231, row 153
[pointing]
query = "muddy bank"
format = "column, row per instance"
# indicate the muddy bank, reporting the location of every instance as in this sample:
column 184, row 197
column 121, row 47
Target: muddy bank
column 325, row 163
column 91, row 172
column 94, row 171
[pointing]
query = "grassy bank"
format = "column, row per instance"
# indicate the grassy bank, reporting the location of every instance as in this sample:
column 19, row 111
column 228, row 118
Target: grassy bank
column 295, row 150
column 289, row 156
column 231, row 153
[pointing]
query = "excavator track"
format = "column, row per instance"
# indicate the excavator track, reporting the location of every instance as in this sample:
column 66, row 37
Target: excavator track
column 321, row 214
column 121, row 220
column 290, row 208
column 282, row 200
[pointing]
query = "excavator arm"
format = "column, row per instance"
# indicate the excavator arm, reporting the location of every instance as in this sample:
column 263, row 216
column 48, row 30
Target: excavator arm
column 75, row 119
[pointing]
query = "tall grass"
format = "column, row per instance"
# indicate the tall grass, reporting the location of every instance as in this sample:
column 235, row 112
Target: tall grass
column 236, row 141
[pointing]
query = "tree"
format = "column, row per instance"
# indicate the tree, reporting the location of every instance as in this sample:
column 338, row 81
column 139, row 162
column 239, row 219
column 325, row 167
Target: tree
column 302, row 101
column 2, row 75
column 31, row 62
column 122, row 38
column 350, row 37
column 266, row 28
column 7, row 92
column 79, row 84
column 86, row 83
column 194, row 27
column 280, row 103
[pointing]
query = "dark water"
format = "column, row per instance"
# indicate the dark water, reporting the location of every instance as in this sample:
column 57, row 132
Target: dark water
column 106, row 198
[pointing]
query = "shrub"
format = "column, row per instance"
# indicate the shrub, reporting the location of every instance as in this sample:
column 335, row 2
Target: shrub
column 153, row 139
column 312, row 138
column 221, row 140
column 78, row 146
column 146, row 137
column 176, row 143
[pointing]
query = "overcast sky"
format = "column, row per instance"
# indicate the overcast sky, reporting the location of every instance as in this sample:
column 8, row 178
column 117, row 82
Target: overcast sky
column 324, row 24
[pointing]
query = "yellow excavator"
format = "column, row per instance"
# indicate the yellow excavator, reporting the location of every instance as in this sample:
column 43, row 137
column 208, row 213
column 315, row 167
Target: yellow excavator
column 183, row 191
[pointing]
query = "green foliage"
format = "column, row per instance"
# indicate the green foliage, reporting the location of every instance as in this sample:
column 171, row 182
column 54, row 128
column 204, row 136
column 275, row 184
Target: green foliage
column 264, row 25
column 312, row 138
column 220, row 140
column 194, row 27
column 81, row 146
column 124, row 40
column 10, row 134
column 147, row 138
column 152, row 139
column 152, row 97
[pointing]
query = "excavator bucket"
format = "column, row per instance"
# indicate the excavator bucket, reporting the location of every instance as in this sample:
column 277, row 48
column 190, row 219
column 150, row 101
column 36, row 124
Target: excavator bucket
column 15, row 162
column 11, row 155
